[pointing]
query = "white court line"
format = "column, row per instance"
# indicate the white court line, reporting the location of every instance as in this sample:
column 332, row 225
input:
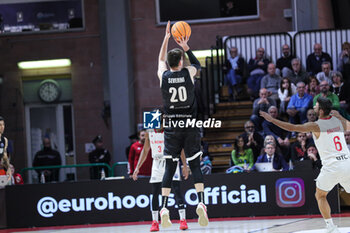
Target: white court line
column 289, row 225
column 341, row 229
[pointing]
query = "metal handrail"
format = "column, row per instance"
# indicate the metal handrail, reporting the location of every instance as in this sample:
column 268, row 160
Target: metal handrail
column 116, row 164
column 67, row 166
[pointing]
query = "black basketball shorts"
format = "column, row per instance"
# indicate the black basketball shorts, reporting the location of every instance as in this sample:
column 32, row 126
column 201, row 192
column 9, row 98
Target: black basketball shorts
column 188, row 139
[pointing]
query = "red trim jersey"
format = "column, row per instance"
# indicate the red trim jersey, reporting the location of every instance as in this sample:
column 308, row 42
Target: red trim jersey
column 134, row 155
column 331, row 144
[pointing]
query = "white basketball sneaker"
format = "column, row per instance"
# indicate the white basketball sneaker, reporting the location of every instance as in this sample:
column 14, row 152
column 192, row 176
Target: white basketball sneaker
column 165, row 218
column 332, row 229
column 202, row 214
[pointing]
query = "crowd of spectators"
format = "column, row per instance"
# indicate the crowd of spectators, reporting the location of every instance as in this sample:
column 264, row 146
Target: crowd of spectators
column 288, row 91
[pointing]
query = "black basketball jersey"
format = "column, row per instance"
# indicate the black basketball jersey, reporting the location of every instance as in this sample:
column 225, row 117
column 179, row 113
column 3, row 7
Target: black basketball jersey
column 2, row 146
column 178, row 93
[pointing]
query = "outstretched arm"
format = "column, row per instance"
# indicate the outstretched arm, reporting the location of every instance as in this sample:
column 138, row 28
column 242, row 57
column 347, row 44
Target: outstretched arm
column 143, row 157
column 304, row 128
column 162, row 54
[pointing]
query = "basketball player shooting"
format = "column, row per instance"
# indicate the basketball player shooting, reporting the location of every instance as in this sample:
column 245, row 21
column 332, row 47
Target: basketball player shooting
column 328, row 134
column 177, row 86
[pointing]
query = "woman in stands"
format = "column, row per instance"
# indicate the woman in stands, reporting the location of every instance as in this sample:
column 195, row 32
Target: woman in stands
column 269, row 139
column 242, row 155
column 313, row 87
column 286, row 90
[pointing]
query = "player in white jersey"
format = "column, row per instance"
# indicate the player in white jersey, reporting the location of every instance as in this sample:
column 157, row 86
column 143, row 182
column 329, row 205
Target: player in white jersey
column 328, row 134
column 155, row 142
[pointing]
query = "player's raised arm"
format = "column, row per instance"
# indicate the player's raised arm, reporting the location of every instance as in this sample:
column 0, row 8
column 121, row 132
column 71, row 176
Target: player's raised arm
column 162, row 53
column 195, row 64
column 304, row 128
column 345, row 122
column 142, row 158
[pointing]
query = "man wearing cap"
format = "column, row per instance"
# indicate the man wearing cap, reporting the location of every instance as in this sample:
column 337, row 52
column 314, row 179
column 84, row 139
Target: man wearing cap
column 99, row 155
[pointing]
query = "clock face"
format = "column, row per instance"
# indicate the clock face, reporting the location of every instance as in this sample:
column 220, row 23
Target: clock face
column 49, row 91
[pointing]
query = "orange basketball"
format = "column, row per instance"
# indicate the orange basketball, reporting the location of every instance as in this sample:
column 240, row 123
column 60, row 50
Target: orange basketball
column 181, row 29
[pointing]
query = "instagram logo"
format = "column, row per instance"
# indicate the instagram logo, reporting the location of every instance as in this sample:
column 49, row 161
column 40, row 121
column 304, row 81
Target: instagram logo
column 290, row 192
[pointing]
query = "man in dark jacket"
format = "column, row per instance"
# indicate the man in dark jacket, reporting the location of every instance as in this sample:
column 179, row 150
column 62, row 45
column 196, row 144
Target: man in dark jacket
column 99, row 155
column 47, row 157
column 252, row 139
column 314, row 60
column 270, row 156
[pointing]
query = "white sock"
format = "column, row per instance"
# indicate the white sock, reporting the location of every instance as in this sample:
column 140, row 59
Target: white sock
column 329, row 222
column 182, row 213
column 155, row 215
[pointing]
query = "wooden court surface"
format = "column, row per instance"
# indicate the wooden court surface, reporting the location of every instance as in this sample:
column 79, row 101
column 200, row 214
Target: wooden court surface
column 305, row 224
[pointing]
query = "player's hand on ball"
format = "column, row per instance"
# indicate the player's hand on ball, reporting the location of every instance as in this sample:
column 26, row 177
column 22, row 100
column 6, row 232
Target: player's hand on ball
column 183, row 43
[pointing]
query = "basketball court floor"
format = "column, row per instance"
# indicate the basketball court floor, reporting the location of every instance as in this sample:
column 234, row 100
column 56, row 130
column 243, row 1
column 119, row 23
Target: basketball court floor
column 300, row 224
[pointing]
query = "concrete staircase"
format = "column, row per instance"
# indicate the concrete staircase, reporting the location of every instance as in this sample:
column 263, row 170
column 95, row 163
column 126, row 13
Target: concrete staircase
column 221, row 141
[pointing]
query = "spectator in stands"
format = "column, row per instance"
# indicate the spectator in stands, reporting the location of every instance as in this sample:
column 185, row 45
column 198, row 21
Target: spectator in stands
column 311, row 117
column 315, row 60
column 252, row 139
column 326, row 73
column 271, row 82
column 298, row 105
column 285, row 92
column 281, row 136
column 267, row 139
column 263, row 103
column 347, row 138
column 341, row 89
column 242, row 155
column 312, row 154
column 270, row 156
column 257, row 68
column 134, row 155
column 313, row 86
column 47, row 157
column 297, row 74
column 298, row 148
column 344, row 61
column 324, row 87
column 17, row 178
column 234, row 68
column 284, row 63
column 99, row 155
